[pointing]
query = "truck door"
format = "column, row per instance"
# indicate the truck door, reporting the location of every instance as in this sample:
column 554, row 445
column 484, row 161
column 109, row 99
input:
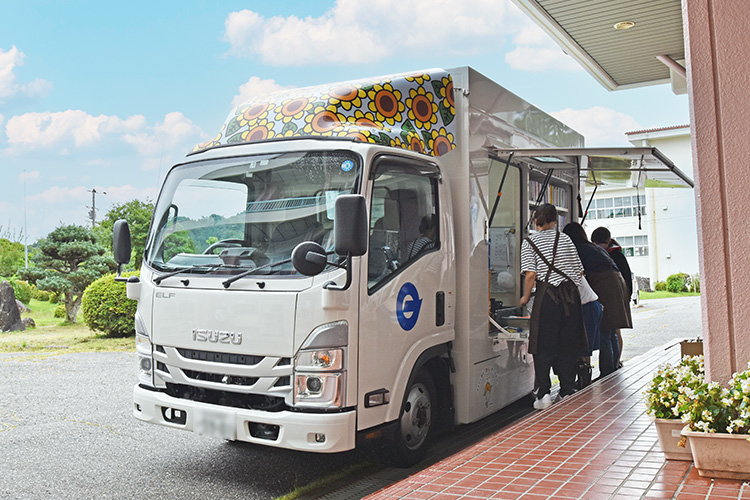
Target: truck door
column 404, row 306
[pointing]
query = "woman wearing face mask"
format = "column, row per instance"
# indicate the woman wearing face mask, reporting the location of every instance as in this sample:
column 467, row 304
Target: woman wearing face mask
column 550, row 263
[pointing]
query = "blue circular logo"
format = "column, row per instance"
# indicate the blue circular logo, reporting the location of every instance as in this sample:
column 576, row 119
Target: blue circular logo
column 408, row 305
column 347, row 166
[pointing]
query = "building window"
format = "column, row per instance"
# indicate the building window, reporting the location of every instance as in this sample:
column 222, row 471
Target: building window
column 617, row 207
column 634, row 246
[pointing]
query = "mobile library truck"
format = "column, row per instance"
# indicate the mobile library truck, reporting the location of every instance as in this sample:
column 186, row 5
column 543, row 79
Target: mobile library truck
column 342, row 262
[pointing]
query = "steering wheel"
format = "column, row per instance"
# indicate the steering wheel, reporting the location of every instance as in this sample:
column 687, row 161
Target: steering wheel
column 229, row 243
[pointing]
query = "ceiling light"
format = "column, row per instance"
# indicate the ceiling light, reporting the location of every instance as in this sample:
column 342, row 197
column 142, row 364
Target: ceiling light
column 624, row 25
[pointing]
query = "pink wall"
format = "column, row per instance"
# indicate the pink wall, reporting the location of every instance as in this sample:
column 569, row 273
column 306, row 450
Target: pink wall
column 718, row 47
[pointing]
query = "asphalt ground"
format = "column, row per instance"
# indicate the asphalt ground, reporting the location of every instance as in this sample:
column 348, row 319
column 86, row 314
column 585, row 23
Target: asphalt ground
column 657, row 321
column 67, row 431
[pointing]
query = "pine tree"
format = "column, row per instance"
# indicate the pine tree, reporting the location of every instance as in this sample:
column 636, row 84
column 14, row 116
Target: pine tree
column 68, row 261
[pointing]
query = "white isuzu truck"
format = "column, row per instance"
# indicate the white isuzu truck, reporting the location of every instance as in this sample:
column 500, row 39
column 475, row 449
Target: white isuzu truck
column 342, row 261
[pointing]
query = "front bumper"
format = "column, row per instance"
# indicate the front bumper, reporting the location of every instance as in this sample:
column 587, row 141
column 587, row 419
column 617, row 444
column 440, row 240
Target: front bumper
column 296, row 430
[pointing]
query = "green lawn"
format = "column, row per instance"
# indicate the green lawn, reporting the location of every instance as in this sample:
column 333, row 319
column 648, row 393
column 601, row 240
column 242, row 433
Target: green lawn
column 55, row 335
column 664, row 295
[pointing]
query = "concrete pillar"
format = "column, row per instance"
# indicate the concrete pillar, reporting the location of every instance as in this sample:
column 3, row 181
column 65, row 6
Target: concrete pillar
column 718, row 47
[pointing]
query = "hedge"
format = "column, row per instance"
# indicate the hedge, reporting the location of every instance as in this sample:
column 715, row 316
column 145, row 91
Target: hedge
column 107, row 309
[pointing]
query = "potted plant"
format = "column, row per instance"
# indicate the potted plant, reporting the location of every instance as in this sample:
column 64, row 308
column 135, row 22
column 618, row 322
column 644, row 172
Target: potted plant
column 662, row 397
column 718, row 427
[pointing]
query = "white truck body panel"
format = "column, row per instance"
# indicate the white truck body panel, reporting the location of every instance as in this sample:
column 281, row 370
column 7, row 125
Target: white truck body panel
column 278, row 318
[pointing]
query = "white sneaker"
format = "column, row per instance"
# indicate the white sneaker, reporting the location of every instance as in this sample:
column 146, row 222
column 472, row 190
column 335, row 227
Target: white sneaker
column 543, row 403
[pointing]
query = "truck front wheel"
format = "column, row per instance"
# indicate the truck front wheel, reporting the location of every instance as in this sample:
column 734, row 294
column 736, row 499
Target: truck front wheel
column 412, row 433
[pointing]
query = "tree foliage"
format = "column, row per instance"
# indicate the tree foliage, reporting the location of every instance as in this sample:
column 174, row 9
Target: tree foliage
column 138, row 214
column 68, row 261
column 11, row 257
column 678, row 282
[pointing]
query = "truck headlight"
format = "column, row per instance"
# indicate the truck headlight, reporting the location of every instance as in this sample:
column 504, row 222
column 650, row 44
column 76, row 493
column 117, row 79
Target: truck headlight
column 320, row 368
column 143, row 353
column 320, row 360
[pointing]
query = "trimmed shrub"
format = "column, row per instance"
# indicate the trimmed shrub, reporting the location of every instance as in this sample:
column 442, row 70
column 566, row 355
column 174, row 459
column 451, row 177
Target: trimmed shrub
column 23, row 291
column 660, row 286
column 60, row 311
column 677, row 283
column 40, row 295
column 54, row 298
column 107, row 309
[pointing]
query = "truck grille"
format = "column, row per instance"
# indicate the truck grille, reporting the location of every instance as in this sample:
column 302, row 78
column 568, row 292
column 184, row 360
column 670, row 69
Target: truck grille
column 229, row 379
column 225, row 398
column 220, row 357
column 219, row 378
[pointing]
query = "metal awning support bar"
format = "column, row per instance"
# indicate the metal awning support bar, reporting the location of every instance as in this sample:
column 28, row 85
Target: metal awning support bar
column 614, row 166
column 588, row 205
column 539, row 198
column 500, row 189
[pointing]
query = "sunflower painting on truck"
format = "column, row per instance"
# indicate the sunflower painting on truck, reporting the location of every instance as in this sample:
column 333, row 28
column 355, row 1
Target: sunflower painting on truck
column 413, row 111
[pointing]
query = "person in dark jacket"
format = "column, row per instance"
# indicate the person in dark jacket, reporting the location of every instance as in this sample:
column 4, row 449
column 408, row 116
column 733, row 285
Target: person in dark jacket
column 602, row 237
column 592, row 259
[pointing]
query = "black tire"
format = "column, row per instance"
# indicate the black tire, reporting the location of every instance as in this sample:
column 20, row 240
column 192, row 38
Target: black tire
column 413, row 431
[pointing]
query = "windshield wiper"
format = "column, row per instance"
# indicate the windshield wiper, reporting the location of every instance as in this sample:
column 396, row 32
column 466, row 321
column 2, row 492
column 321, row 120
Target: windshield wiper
column 161, row 278
column 231, row 280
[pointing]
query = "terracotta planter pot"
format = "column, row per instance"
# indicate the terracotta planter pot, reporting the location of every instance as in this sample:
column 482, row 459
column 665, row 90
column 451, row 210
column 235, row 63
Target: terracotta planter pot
column 668, row 431
column 720, row 455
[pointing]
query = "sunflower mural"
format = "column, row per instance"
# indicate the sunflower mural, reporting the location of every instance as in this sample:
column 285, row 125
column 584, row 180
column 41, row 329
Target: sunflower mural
column 414, row 111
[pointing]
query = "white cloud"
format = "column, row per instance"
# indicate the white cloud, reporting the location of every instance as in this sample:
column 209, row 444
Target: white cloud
column 176, row 132
column 600, row 126
column 9, row 60
column 57, row 194
column 32, row 176
column 47, row 130
column 536, row 51
column 254, row 87
column 353, row 31
column 70, row 130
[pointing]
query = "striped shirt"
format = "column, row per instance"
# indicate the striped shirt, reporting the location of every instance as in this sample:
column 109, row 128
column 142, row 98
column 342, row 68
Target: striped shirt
column 566, row 259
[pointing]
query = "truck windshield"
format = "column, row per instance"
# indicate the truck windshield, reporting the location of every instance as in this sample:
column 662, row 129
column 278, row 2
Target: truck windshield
column 227, row 216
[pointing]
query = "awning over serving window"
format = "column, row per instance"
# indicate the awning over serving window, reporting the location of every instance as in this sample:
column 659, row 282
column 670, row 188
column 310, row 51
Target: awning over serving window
column 626, row 167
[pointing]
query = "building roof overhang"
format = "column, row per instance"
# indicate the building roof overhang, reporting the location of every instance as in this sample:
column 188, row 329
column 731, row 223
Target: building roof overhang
column 651, row 51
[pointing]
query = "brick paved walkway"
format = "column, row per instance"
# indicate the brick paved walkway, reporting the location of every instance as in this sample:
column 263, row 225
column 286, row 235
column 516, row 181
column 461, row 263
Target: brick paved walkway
column 597, row 444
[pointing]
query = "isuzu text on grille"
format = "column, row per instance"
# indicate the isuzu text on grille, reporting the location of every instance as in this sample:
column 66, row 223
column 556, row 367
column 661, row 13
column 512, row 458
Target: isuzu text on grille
column 217, row 337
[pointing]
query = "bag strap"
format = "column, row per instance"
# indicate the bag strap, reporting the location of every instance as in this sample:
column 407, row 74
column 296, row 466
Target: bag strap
column 550, row 265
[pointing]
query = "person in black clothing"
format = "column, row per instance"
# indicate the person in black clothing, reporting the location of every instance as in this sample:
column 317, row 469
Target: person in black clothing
column 602, row 237
column 593, row 260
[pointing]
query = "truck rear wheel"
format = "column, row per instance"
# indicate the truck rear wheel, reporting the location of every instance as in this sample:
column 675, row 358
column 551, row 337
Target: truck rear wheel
column 411, row 435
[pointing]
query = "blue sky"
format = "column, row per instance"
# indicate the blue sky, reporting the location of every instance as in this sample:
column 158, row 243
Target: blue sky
column 109, row 95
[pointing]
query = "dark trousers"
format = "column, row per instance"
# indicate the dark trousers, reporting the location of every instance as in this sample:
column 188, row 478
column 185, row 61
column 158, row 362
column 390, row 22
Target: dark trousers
column 558, row 345
column 609, row 352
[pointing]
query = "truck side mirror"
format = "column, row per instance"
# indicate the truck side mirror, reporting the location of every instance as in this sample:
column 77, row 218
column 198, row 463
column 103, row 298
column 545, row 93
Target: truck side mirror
column 309, row 258
column 350, row 234
column 350, row 226
column 121, row 243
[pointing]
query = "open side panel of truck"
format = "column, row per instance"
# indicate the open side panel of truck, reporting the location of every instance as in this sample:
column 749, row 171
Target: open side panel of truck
column 621, row 167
